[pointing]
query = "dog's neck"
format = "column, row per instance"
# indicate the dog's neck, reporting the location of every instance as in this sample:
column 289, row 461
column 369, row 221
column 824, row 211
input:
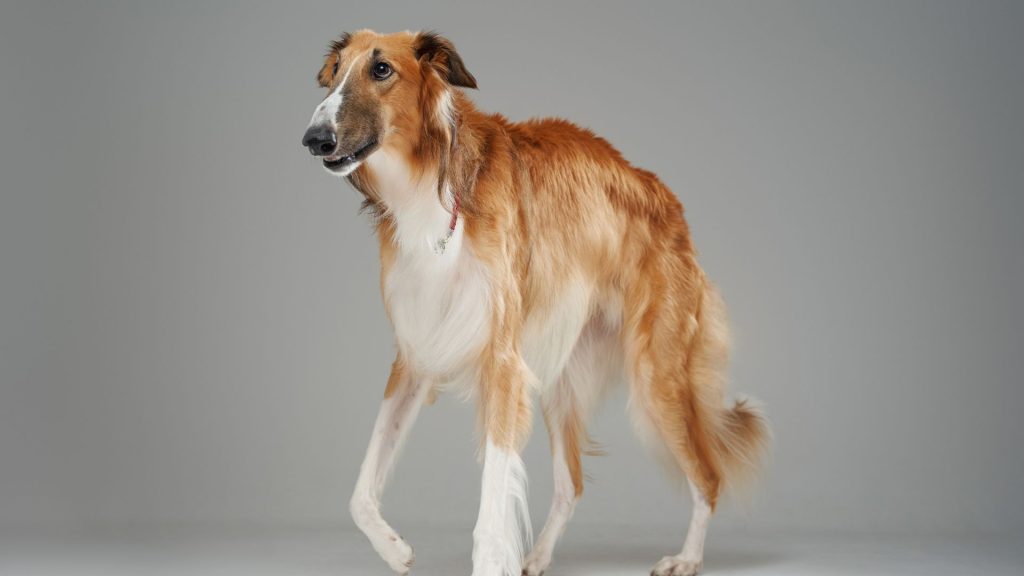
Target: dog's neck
column 422, row 202
column 407, row 201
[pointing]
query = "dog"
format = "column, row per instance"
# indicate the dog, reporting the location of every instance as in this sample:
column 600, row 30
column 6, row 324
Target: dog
column 522, row 261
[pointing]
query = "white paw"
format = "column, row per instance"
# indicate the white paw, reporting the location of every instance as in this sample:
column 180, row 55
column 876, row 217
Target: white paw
column 676, row 566
column 536, row 563
column 396, row 552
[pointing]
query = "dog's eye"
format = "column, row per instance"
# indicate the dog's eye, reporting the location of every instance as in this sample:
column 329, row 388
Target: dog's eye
column 382, row 70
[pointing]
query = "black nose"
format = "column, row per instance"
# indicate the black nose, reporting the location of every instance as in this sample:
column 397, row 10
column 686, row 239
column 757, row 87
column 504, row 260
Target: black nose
column 320, row 140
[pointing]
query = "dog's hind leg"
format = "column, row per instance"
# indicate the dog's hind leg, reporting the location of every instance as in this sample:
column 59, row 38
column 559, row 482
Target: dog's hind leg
column 403, row 398
column 691, row 559
column 595, row 364
column 565, row 430
column 679, row 351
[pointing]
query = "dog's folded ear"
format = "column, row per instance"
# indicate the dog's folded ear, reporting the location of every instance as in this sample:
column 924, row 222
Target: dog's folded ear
column 440, row 53
column 331, row 60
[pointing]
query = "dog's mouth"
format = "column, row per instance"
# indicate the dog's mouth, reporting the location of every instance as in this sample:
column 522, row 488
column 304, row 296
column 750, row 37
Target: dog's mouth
column 338, row 162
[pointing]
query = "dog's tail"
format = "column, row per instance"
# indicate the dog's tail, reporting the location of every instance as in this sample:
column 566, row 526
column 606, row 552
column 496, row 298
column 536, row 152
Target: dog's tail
column 738, row 436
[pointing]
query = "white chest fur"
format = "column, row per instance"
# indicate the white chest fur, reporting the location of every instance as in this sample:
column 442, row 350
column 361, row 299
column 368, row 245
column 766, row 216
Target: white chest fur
column 440, row 308
column 438, row 302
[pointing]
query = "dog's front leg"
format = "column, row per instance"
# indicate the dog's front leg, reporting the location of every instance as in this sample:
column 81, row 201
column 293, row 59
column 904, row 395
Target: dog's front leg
column 502, row 530
column 403, row 398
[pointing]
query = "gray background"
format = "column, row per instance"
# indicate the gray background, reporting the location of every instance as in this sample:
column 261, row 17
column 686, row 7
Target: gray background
column 190, row 325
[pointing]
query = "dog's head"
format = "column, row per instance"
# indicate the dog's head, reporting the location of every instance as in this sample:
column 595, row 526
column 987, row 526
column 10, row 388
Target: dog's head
column 381, row 88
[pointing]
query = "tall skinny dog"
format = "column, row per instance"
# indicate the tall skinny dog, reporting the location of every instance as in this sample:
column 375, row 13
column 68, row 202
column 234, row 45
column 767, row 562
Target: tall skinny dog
column 524, row 260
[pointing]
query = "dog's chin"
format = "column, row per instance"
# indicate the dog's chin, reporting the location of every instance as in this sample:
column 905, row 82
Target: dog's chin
column 342, row 165
column 341, row 169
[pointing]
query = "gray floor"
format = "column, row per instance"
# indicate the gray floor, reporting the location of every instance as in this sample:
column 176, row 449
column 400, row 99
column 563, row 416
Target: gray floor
column 590, row 551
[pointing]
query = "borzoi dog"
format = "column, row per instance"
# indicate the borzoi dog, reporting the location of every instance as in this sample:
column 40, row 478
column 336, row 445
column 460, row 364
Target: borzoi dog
column 523, row 261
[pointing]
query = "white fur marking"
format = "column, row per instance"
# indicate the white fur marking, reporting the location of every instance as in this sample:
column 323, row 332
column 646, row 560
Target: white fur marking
column 413, row 203
column 691, row 559
column 350, row 168
column 327, row 111
column 693, row 549
column 502, row 531
column 563, row 503
column 445, row 109
column 439, row 303
column 397, row 415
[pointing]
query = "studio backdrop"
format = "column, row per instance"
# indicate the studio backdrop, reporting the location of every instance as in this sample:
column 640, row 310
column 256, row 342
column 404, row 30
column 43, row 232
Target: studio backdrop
column 191, row 330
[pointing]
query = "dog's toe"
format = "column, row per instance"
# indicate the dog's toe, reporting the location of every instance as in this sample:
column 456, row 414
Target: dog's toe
column 676, row 566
